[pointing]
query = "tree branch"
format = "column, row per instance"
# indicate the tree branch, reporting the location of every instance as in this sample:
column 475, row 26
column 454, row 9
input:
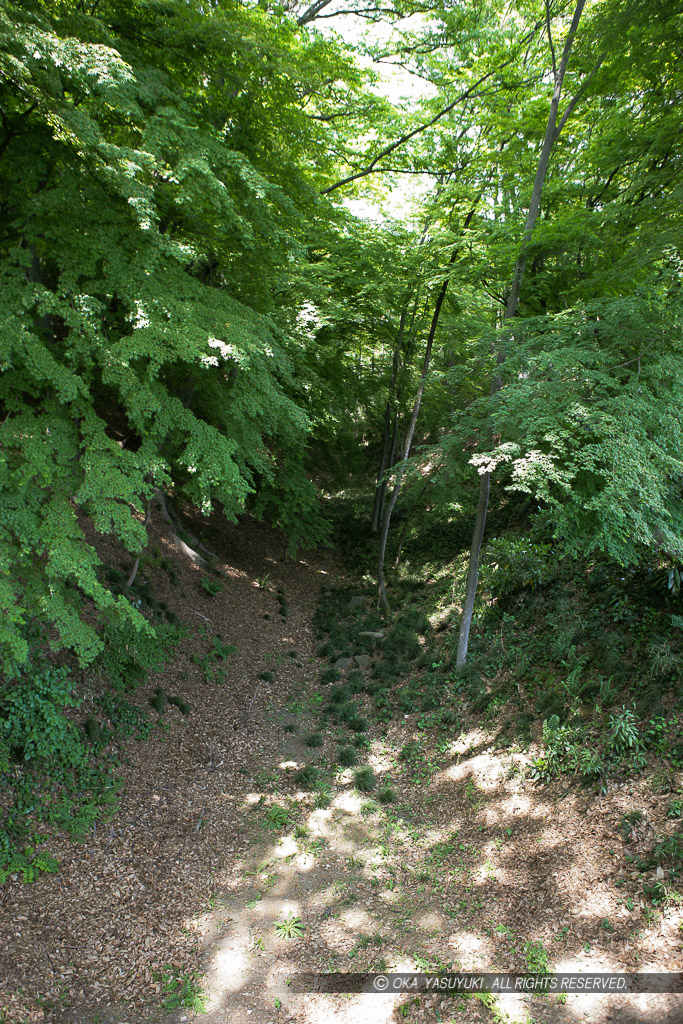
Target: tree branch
column 550, row 38
column 465, row 94
column 312, row 13
column 373, row 13
column 577, row 96
column 569, row 41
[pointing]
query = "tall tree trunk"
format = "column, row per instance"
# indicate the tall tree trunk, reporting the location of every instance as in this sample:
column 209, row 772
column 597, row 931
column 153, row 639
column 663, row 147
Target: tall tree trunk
column 394, row 400
column 380, row 489
column 552, row 132
column 391, row 462
column 384, row 536
column 473, row 567
column 380, row 486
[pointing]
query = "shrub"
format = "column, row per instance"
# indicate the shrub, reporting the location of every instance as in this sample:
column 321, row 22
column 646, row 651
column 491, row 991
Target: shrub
column 523, row 725
column 670, row 850
column 356, row 682
column 565, row 751
column 93, row 730
column 517, row 563
column 59, row 782
column 345, row 712
column 32, row 721
column 624, row 737
column 130, row 654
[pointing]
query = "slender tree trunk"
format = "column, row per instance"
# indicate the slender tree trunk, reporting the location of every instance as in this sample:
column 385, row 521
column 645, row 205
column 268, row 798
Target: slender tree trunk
column 384, row 536
column 382, row 496
column 394, row 400
column 551, row 133
column 380, row 489
column 473, row 567
column 136, row 564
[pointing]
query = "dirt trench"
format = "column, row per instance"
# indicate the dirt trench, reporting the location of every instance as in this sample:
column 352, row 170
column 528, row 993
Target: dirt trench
column 221, row 878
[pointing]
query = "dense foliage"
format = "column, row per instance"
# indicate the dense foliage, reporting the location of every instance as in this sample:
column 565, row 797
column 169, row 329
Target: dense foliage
column 153, row 200
column 188, row 305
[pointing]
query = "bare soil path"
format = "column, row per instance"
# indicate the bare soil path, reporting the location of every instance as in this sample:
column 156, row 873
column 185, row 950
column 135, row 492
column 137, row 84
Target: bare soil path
column 217, row 855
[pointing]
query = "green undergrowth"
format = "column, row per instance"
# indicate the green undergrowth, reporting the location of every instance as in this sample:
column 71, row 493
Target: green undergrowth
column 181, row 989
column 586, row 659
column 583, row 659
column 57, row 768
column 406, row 673
column 52, row 775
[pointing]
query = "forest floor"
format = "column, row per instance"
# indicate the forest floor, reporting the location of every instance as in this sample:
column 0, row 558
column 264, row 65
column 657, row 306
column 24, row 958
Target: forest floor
column 471, row 867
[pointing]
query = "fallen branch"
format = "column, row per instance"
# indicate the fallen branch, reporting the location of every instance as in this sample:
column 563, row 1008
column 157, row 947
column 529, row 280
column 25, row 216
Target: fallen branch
column 244, row 717
column 205, row 617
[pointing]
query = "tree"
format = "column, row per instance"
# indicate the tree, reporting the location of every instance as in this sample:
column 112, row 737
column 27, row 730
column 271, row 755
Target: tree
column 154, row 192
column 553, row 129
column 637, row 466
column 407, row 444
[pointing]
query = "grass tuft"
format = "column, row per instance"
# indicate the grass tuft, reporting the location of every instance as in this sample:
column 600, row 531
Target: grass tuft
column 346, row 756
column 183, row 707
column 307, row 776
column 364, row 779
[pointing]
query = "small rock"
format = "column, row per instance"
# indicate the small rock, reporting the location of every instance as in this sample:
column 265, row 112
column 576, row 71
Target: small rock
column 357, row 602
column 372, row 636
column 343, row 664
column 362, row 660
